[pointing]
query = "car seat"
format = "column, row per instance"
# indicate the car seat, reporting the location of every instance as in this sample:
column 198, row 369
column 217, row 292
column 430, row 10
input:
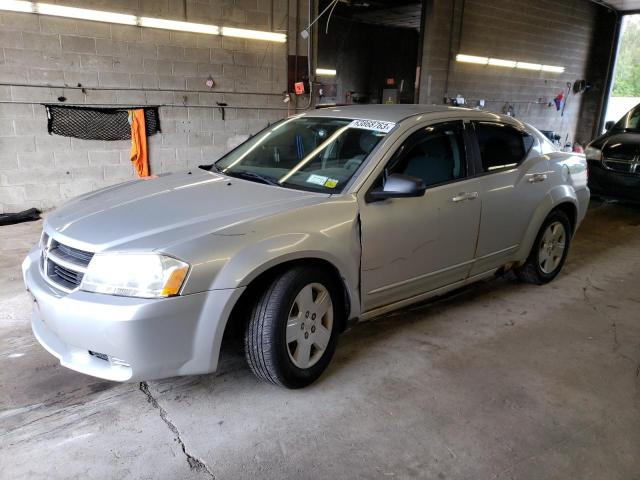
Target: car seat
column 431, row 161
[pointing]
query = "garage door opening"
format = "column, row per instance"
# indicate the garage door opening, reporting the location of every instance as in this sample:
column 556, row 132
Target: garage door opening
column 368, row 52
column 625, row 91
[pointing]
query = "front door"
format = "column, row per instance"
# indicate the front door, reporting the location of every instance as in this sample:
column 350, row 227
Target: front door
column 414, row 245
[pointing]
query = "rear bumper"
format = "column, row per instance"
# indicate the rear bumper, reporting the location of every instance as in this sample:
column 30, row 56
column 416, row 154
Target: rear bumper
column 613, row 184
column 131, row 338
column 583, row 195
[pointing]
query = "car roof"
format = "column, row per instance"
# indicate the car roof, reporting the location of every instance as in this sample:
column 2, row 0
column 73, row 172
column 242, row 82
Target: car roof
column 397, row 113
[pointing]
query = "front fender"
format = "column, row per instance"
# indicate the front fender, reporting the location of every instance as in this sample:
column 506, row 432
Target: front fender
column 327, row 231
column 342, row 252
column 554, row 197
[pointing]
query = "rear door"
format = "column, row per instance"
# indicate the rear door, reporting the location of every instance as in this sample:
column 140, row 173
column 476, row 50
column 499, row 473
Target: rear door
column 514, row 181
column 415, row 245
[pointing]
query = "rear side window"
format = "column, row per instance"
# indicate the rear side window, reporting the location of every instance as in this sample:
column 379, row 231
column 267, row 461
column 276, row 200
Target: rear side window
column 501, row 146
column 546, row 147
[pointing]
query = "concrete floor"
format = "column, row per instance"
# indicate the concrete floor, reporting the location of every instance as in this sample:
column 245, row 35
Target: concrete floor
column 501, row 380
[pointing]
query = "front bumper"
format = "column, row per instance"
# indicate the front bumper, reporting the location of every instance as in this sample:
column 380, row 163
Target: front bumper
column 131, row 338
column 610, row 183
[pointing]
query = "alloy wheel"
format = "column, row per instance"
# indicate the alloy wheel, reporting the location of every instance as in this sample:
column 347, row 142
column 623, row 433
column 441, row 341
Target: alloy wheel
column 309, row 325
column 552, row 247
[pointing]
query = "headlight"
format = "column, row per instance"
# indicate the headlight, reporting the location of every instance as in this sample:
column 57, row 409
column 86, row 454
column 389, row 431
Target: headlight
column 135, row 275
column 593, row 153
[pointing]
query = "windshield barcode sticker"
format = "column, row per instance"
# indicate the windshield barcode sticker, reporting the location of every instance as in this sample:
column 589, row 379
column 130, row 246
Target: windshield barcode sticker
column 317, row 179
column 375, row 125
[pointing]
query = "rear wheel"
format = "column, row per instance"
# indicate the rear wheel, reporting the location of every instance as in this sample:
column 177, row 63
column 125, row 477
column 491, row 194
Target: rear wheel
column 549, row 250
column 293, row 327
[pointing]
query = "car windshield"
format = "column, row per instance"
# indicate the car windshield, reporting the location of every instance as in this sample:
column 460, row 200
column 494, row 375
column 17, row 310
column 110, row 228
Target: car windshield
column 316, row 154
column 631, row 121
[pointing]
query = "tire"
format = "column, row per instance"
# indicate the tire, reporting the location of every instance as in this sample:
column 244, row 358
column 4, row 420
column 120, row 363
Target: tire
column 298, row 314
column 547, row 259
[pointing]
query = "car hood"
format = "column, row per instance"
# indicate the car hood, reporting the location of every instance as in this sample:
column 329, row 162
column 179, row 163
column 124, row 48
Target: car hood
column 165, row 210
column 624, row 144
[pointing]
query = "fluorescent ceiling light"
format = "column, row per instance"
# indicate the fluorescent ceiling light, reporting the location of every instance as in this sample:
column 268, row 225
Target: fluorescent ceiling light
column 496, row 62
column 326, row 71
column 498, row 167
column 529, row 66
column 16, row 6
column 180, row 26
column 254, row 34
column 84, row 14
column 472, row 59
column 126, row 19
column 551, row 68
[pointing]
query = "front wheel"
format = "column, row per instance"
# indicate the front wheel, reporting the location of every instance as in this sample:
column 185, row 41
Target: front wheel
column 293, row 329
column 549, row 250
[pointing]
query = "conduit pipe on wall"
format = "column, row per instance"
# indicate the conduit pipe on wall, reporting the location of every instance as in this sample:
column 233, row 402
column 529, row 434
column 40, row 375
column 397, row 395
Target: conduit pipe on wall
column 129, row 89
column 130, row 105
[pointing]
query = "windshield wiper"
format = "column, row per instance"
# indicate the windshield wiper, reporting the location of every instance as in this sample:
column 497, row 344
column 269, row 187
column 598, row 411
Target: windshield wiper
column 253, row 176
column 212, row 167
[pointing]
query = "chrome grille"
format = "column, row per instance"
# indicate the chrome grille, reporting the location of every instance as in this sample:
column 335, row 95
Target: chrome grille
column 64, row 266
column 73, row 255
column 623, row 164
column 44, row 242
column 68, row 279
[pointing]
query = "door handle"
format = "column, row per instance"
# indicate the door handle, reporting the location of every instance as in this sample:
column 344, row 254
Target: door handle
column 537, row 177
column 461, row 197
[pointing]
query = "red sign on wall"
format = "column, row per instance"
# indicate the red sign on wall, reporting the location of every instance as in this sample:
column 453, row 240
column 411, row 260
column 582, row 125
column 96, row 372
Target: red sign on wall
column 299, row 86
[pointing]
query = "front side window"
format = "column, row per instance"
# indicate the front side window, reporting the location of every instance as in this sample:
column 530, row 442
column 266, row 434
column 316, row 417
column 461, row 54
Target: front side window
column 501, row 146
column 435, row 154
column 631, row 121
column 316, row 154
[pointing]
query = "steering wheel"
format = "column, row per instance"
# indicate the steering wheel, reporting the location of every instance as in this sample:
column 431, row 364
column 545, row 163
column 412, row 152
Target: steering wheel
column 353, row 163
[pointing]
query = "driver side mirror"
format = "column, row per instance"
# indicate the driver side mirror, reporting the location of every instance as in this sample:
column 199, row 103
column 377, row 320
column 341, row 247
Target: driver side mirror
column 609, row 125
column 397, row 185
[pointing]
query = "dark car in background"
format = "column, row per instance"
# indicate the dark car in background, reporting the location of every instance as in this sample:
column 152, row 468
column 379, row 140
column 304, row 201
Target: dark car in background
column 614, row 159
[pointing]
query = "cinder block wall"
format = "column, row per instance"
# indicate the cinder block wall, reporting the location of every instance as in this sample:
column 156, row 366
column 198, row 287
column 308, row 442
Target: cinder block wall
column 42, row 170
column 575, row 34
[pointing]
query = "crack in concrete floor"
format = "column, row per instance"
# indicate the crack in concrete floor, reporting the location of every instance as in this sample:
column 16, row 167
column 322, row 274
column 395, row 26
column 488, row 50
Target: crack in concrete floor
column 437, row 390
column 194, row 462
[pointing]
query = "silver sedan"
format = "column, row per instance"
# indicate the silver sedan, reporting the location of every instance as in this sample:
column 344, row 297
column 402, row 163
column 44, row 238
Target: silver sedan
column 320, row 220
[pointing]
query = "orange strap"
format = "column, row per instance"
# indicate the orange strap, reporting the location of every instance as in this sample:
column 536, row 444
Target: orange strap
column 139, row 155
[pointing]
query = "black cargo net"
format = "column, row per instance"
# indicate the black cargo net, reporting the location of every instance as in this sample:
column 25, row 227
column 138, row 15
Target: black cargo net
column 89, row 123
